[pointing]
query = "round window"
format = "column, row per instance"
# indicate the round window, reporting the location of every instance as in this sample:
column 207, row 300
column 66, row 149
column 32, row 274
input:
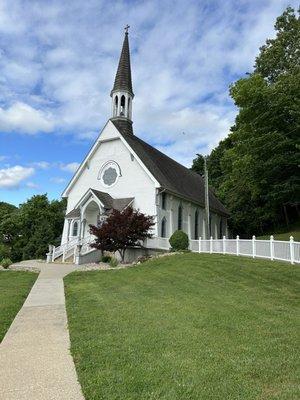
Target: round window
column 109, row 173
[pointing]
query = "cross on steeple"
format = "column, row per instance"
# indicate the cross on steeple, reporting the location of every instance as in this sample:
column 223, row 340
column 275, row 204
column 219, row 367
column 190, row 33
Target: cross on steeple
column 126, row 28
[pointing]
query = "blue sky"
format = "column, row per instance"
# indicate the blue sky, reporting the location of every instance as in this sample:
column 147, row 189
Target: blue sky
column 57, row 65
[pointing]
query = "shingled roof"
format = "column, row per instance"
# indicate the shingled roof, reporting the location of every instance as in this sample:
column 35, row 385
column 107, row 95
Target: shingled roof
column 75, row 213
column 123, row 77
column 171, row 175
column 104, row 198
column 108, row 202
column 111, row 203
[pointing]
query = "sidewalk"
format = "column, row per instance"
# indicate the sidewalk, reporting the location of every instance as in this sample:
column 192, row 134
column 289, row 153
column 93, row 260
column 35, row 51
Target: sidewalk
column 35, row 361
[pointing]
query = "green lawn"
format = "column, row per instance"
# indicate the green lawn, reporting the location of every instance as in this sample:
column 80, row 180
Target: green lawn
column 187, row 327
column 14, row 288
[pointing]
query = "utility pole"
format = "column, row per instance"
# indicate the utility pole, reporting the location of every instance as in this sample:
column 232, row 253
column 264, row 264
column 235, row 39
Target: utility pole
column 207, row 230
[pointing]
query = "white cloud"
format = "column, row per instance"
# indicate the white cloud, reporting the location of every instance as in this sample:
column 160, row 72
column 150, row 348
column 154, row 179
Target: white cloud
column 21, row 117
column 41, row 164
column 56, row 70
column 31, row 185
column 71, row 167
column 12, row 177
column 58, row 180
column 91, row 135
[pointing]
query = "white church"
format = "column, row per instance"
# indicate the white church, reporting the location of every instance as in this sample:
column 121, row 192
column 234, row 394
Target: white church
column 122, row 170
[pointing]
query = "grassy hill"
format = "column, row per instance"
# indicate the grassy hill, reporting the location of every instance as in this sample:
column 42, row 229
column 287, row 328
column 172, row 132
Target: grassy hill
column 285, row 234
column 187, row 327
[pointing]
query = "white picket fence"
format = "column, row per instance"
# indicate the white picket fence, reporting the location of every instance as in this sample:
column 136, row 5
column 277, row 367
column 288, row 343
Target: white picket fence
column 270, row 249
column 255, row 248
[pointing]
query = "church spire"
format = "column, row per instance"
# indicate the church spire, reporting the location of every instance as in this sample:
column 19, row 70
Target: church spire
column 122, row 93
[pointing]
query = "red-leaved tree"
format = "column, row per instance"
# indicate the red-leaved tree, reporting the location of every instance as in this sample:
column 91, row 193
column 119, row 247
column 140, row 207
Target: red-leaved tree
column 122, row 229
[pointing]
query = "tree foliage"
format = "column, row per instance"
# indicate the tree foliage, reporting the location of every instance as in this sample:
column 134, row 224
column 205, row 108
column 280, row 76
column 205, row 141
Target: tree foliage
column 198, row 164
column 255, row 169
column 28, row 230
column 122, row 229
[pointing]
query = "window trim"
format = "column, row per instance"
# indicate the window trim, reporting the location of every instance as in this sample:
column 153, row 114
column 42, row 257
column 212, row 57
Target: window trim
column 163, row 227
column 75, row 223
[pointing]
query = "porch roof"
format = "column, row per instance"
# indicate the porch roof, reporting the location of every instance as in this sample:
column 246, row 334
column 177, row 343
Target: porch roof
column 75, row 213
column 109, row 203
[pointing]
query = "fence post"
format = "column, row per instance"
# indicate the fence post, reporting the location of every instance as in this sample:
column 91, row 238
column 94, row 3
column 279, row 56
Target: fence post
column 199, row 244
column 49, row 254
column 237, row 245
column 272, row 247
column 210, row 244
column 53, row 253
column 253, row 246
column 292, row 249
column 224, row 244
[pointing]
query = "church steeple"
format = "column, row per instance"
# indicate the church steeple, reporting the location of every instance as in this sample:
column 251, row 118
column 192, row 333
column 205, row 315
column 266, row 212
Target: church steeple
column 122, row 93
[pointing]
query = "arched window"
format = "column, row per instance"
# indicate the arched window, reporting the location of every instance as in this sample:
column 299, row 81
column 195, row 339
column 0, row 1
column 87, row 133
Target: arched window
column 122, row 105
column 116, row 106
column 163, row 232
column 179, row 217
column 75, row 229
column 196, row 232
column 163, row 200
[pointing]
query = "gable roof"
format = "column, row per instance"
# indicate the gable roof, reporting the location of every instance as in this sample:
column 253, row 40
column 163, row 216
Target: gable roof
column 75, row 213
column 104, row 198
column 111, row 203
column 108, row 202
column 171, row 175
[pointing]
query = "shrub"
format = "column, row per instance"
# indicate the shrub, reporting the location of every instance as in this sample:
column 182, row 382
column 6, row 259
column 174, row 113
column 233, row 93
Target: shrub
column 106, row 259
column 4, row 251
column 6, row 262
column 113, row 262
column 179, row 241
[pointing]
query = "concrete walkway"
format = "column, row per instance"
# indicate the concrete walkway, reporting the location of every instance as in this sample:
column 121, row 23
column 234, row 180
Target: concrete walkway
column 35, row 362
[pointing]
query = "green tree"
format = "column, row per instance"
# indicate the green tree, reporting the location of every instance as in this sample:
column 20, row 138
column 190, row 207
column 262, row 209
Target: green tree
column 255, row 170
column 282, row 54
column 5, row 209
column 198, row 164
column 30, row 229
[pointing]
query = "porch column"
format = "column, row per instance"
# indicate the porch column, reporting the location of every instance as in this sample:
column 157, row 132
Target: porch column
column 68, row 234
column 83, row 223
